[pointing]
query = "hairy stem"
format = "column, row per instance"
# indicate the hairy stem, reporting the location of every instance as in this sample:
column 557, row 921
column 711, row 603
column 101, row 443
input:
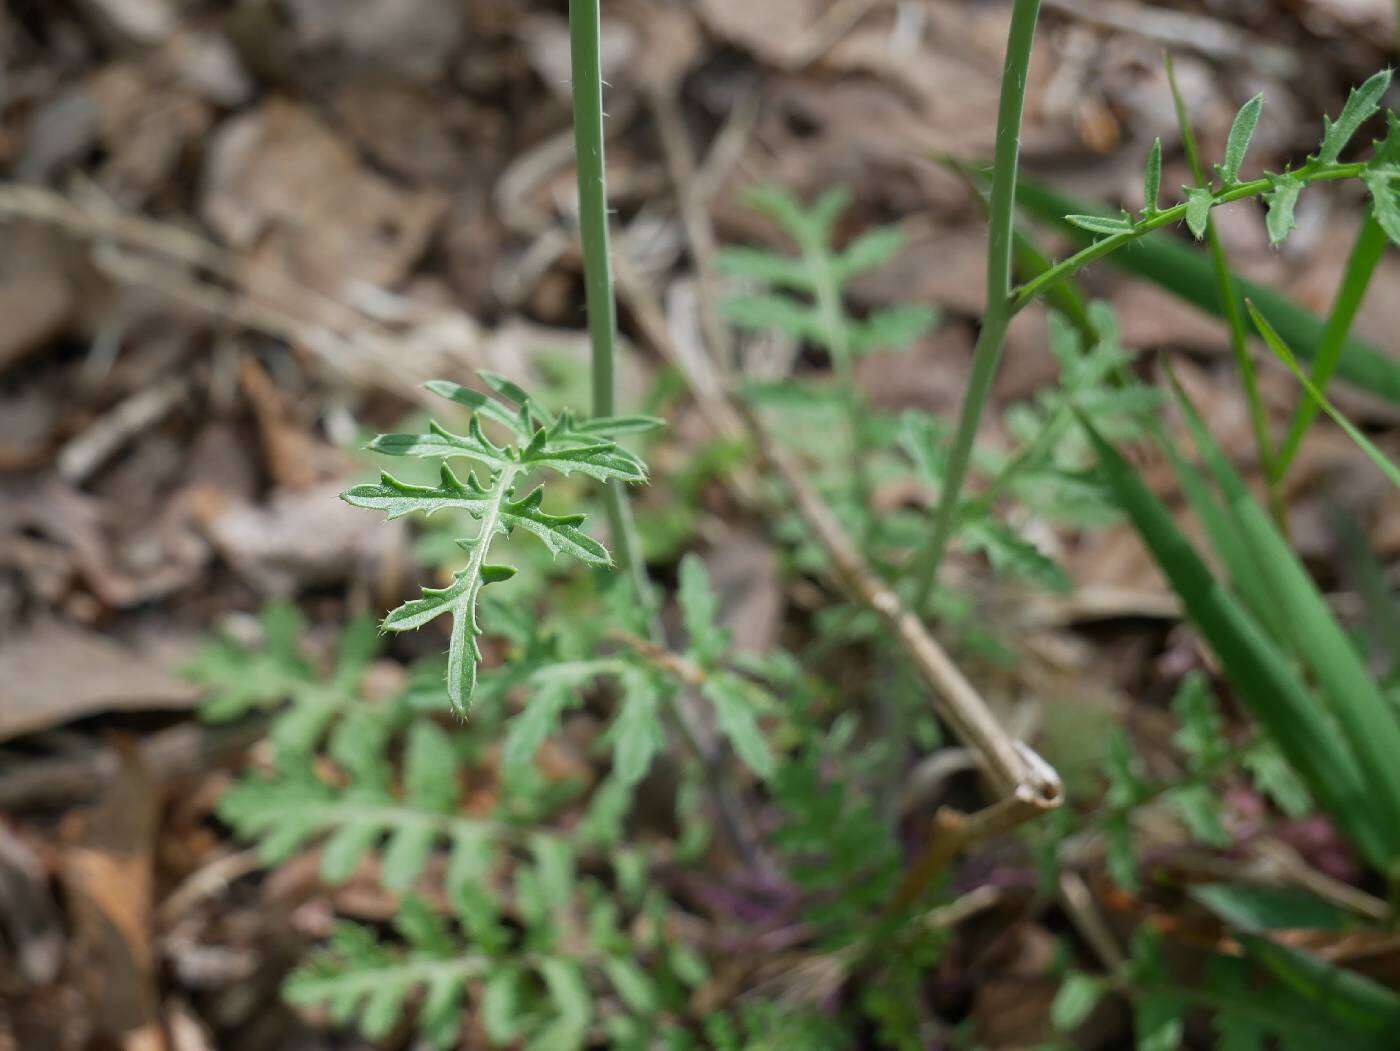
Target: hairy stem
column 1025, row 294
column 585, row 18
column 585, row 27
column 991, row 340
column 1361, row 267
column 1230, row 302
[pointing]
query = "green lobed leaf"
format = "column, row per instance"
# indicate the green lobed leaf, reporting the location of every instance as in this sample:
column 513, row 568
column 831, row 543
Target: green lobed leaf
column 1188, row 274
column 636, row 733
column 481, row 403
column 700, row 612
column 1362, row 103
column 736, row 716
column 1282, row 201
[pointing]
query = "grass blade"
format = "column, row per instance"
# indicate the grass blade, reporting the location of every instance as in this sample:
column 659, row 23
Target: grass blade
column 1281, row 349
column 1366, row 719
column 1361, row 267
column 1263, row 678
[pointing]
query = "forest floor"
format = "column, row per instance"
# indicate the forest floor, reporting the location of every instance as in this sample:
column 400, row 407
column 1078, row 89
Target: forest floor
column 235, row 237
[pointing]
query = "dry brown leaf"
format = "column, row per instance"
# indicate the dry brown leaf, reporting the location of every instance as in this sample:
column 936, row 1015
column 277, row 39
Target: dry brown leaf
column 145, row 128
column 301, row 538
column 55, row 673
column 410, row 38
column 284, row 188
column 108, row 872
column 28, row 915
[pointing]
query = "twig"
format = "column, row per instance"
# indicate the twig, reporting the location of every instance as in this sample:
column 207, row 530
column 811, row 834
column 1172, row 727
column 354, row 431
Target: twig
column 1207, row 36
column 822, row 35
column 1088, row 921
column 94, row 446
column 958, row 702
column 169, row 755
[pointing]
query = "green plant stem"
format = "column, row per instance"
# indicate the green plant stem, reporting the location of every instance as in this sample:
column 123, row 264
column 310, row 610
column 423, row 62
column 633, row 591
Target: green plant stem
column 991, row 340
column 833, row 314
column 585, row 29
column 1311, row 172
column 1231, row 304
column 1361, row 267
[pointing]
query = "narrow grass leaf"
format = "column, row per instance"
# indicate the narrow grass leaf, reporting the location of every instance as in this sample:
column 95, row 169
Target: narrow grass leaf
column 1258, row 671
column 1366, row 720
column 1285, row 354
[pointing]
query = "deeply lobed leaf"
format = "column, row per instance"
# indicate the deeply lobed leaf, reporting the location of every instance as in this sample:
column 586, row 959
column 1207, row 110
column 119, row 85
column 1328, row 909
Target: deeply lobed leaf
column 538, row 441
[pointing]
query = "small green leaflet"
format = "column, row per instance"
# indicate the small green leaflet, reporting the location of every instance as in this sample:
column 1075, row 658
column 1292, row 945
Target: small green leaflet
column 1237, row 145
column 636, row 733
column 1152, row 178
column 735, row 712
column 1199, row 201
column 893, row 328
column 700, row 612
column 766, row 267
column 870, row 251
column 1362, row 103
column 1075, row 1001
column 1282, row 200
column 1101, row 224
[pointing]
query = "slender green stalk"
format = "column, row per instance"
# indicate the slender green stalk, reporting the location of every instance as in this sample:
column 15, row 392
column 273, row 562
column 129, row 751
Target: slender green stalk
column 1361, row 267
column 1231, row 303
column 992, row 339
column 1311, row 172
column 828, row 294
column 585, row 29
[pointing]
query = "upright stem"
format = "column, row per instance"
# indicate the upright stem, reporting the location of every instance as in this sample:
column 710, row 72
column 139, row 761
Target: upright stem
column 987, row 356
column 585, row 30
